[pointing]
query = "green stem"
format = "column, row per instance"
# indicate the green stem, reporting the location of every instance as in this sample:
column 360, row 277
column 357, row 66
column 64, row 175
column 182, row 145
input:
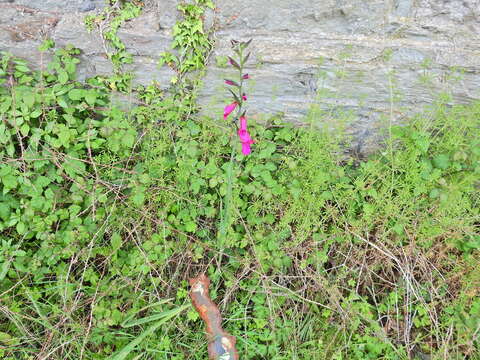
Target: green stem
column 225, row 219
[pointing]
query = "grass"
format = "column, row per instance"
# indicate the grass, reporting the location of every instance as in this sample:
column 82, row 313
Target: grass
column 321, row 256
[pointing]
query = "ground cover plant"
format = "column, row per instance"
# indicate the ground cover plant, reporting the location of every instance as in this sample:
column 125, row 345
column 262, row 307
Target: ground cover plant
column 313, row 254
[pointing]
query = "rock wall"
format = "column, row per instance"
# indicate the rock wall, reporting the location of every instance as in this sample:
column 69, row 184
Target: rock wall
column 367, row 58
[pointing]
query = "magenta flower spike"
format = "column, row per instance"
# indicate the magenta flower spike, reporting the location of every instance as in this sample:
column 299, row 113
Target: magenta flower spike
column 246, row 150
column 244, row 97
column 246, row 76
column 229, row 109
column 244, row 136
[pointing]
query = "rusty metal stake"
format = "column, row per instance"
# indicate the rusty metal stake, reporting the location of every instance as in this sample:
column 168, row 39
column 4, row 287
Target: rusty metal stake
column 221, row 345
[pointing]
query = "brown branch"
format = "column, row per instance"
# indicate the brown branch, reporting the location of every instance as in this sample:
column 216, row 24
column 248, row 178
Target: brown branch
column 221, row 345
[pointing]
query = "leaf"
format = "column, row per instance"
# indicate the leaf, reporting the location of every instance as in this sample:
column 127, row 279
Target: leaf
column 29, row 99
column 234, row 63
column 5, row 338
column 435, row 193
column 62, row 77
column 126, row 322
column 91, row 97
column 22, row 68
column 4, row 271
column 24, row 129
column 441, row 161
column 245, row 59
column 76, row 94
column 9, row 181
column 21, row 228
column 231, row 82
column 138, row 197
column 128, row 139
column 4, row 211
column 116, row 241
column 163, row 318
column 35, row 114
column 190, row 226
column 234, row 96
column 61, row 101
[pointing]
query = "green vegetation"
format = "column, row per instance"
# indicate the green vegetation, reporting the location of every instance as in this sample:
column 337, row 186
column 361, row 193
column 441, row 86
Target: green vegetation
column 106, row 213
column 107, row 23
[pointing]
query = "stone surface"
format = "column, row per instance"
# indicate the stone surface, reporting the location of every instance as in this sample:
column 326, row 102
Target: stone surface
column 24, row 24
column 376, row 60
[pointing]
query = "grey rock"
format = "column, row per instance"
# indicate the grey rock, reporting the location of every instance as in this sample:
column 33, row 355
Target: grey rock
column 87, row 5
column 372, row 62
column 356, row 59
column 26, row 26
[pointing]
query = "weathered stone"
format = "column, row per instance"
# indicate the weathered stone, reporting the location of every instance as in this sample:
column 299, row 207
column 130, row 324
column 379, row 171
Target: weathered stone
column 374, row 60
column 25, row 24
column 377, row 60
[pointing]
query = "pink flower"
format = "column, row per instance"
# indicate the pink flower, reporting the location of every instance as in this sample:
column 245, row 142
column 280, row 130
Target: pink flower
column 246, row 76
column 246, row 150
column 228, row 109
column 244, row 136
column 244, row 97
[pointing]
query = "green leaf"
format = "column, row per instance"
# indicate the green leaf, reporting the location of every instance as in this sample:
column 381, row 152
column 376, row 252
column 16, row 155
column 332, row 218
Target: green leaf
column 35, row 114
column 162, row 317
column 29, row 99
column 435, row 193
column 91, row 97
column 76, row 94
column 21, row 228
column 138, row 197
column 5, row 338
column 9, row 181
column 62, row 76
column 116, row 241
column 190, row 226
column 441, row 161
column 24, row 129
column 22, row 68
column 4, row 211
column 128, row 140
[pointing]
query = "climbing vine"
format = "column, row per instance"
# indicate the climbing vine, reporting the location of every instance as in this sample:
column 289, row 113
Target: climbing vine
column 108, row 22
column 191, row 40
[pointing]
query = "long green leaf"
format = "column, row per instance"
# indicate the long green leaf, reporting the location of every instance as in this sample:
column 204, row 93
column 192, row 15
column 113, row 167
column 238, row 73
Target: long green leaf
column 130, row 317
column 167, row 315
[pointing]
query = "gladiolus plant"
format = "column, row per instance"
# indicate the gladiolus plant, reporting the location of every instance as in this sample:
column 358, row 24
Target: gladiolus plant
column 238, row 96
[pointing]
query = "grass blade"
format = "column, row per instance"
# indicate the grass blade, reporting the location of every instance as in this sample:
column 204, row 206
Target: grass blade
column 164, row 317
